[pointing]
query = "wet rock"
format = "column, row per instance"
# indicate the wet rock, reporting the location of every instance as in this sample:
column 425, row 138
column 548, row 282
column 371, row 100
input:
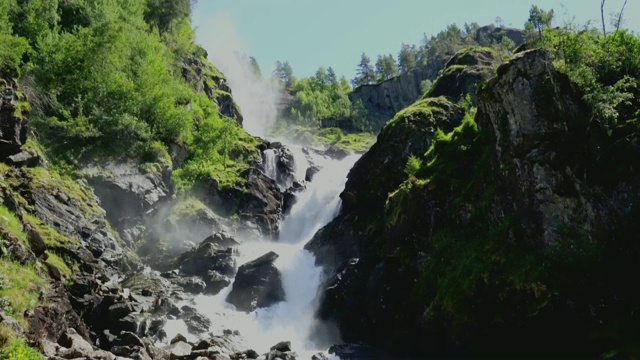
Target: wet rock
column 127, row 193
column 275, row 354
column 336, row 152
column 257, row 284
column 258, row 201
column 149, row 282
column 251, row 354
column 319, row 356
column 355, row 351
column 191, row 284
column 221, row 239
column 215, row 282
column 207, row 257
column 196, row 322
column 311, row 172
column 179, row 350
column 282, row 346
column 178, row 338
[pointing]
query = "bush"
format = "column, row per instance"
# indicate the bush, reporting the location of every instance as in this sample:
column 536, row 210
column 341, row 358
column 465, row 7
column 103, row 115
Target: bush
column 19, row 350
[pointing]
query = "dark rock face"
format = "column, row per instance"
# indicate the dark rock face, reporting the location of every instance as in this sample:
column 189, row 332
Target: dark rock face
column 127, row 194
column 260, row 201
column 207, row 257
column 208, row 79
column 13, row 126
column 525, row 120
column 257, row 284
column 486, row 35
column 463, row 73
column 535, row 197
column 284, row 164
column 378, row 172
column 384, row 100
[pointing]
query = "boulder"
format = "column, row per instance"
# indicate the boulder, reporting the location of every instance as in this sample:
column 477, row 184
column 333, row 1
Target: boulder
column 126, row 193
column 257, row 284
column 464, row 73
column 207, row 257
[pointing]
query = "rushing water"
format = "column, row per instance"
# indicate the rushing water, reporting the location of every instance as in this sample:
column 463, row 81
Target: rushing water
column 291, row 320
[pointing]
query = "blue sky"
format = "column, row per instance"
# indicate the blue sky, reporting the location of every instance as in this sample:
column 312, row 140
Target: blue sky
column 314, row 33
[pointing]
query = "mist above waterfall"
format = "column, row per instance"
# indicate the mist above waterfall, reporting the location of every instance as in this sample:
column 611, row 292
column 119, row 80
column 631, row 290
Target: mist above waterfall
column 257, row 97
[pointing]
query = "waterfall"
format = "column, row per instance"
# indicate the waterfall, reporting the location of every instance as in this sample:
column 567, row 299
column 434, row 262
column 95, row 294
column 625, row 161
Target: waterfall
column 269, row 163
column 293, row 319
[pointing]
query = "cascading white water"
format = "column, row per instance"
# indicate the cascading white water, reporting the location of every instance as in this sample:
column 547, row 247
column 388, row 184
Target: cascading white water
column 293, row 319
column 270, row 167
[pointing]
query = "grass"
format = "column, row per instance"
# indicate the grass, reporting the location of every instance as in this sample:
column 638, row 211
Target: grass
column 25, row 283
column 65, row 266
column 51, row 236
column 186, row 207
column 352, row 142
column 18, row 349
column 10, row 223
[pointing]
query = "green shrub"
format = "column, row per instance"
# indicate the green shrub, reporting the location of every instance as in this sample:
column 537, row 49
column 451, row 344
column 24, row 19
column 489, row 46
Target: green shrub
column 18, row 349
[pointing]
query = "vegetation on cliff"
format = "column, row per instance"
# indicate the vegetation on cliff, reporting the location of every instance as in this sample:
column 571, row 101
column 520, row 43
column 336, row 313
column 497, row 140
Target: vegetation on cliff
column 491, row 221
column 122, row 79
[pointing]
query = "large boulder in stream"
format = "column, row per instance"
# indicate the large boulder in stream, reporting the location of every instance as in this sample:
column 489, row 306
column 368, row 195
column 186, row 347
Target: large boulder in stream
column 258, row 284
column 207, row 256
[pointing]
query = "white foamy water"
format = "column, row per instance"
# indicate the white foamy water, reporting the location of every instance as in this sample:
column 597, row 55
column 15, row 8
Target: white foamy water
column 270, row 167
column 292, row 320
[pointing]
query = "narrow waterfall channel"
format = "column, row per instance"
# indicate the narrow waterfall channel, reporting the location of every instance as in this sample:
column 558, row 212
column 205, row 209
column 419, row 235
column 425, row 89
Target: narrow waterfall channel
column 291, row 320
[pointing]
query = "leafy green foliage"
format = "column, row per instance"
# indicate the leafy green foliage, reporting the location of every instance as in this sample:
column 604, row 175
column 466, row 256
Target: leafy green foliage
column 220, row 151
column 18, row 349
column 164, row 13
column 606, row 69
column 324, row 97
column 539, row 19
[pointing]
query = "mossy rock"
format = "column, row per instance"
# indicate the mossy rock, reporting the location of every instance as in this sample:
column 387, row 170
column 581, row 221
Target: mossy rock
column 410, row 132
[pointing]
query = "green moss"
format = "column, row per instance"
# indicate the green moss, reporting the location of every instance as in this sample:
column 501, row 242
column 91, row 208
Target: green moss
column 186, row 207
column 51, row 182
column 26, row 284
column 66, row 266
column 429, row 108
column 349, row 141
column 12, row 224
column 52, row 238
column 221, row 151
column 453, row 69
column 481, row 280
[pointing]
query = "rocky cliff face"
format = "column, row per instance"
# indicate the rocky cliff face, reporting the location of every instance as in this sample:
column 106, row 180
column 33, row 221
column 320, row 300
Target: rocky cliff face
column 507, row 240
column 384, row 100
column 205, row 77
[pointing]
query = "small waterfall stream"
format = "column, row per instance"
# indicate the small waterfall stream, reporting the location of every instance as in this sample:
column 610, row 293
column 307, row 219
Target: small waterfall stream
column 292, row 320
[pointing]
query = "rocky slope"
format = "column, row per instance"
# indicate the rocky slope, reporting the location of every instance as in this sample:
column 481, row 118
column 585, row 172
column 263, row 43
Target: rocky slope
column 81, row 241
column 506, row 239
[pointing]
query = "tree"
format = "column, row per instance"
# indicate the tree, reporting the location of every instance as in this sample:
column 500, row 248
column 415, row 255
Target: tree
column 386, row 67
column 407, row 58
column 470, row 30
column 162, row 13
column 331, row 76
column 284, row 73
column 539, row 18
column 365, row 72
